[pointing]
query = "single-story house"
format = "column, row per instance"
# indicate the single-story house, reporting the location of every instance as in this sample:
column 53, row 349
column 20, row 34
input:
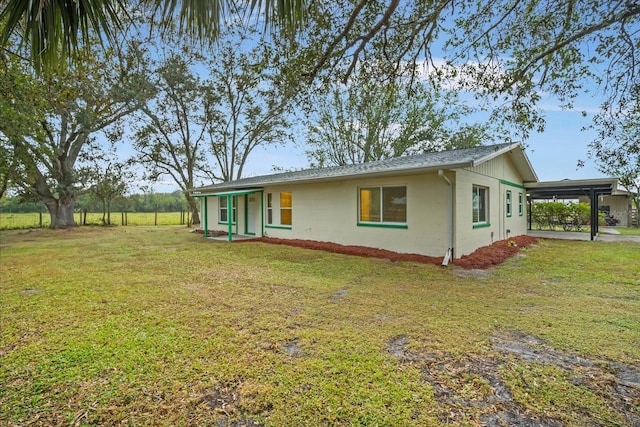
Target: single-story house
column 444, row 204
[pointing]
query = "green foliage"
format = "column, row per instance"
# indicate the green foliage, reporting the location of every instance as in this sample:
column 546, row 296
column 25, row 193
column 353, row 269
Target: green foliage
column 506, row 53
column 51, row 28
column 22, row 108
column 55, row 150
column 169, row 133
column 617, row 148
column 570, row 216
column 365, row 121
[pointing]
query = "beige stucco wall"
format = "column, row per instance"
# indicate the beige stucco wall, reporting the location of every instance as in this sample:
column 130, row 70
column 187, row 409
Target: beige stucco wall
column 328, row 211
column 619, row 206
column 499, row 176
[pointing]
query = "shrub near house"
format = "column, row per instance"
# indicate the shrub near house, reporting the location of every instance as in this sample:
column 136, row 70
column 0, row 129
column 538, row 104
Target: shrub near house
column 570, row 216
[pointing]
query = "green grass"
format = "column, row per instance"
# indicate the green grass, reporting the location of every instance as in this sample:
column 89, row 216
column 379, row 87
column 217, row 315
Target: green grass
column 12, row 221
column 629, row 231
column 158, row 326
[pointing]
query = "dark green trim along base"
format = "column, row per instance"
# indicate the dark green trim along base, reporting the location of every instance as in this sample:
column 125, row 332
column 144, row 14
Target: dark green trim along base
column 382, row 225
column 481, row 225
column 282, row 227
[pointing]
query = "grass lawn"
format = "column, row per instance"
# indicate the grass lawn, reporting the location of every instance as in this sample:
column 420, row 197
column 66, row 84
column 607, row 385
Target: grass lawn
column 629, row 231
column 158, row 326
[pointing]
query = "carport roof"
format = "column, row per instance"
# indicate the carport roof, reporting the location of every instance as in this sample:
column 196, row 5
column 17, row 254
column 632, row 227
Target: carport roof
column 571, row 188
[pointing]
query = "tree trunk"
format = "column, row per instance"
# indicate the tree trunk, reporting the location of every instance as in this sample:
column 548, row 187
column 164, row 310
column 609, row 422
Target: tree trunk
column 195, row 216
column 61, row 212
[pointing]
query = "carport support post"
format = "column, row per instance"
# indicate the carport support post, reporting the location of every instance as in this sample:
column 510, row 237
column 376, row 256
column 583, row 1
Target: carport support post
column 229, row 217
column 530, row 213
column 594, row 213
column 206, row 218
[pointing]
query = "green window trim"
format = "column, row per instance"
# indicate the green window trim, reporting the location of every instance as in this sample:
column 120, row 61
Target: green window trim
column 520, row 204
column 481, row 225
column 512, row 184
column 279, row 209
column 281, row 227
column 382, row 225
column 377, row 207
column 509, row 204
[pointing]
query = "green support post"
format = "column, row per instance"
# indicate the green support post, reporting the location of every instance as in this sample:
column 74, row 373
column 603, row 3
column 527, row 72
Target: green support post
column 261, row 213
column 206, row 217
column 230, row 217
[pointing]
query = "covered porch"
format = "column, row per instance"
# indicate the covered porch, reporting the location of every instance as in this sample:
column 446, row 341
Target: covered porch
column 240, row 213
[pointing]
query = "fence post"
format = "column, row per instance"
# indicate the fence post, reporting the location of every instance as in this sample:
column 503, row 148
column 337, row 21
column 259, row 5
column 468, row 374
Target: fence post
column 40, row 219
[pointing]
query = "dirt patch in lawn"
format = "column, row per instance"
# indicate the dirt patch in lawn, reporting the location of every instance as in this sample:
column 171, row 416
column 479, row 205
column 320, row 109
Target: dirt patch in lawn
column 474, row 389
column 225, row 400
column 483, row 258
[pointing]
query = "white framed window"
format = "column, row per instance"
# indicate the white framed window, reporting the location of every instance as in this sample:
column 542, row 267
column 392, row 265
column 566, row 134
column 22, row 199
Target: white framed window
column 509, row 202
column 223, row 209
column 269, row 208
column 279, row 210
column 480, row 206
column 381, row 206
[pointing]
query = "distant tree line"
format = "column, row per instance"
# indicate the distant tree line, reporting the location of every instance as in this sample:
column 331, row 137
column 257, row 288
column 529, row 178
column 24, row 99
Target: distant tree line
column 147, row 202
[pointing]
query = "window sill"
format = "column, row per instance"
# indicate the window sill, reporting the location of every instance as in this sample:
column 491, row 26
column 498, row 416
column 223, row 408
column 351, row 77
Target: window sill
column 483, row 225
column 281, row 227
column 382, row 225
column 226, row 223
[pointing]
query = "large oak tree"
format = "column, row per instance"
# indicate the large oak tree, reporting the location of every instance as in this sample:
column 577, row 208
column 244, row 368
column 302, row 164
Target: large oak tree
column 64, row 112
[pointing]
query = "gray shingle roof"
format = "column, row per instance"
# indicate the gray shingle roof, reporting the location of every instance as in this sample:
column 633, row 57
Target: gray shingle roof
column 427, row 161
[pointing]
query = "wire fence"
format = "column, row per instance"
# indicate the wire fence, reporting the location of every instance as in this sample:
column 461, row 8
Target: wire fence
column 10, row 221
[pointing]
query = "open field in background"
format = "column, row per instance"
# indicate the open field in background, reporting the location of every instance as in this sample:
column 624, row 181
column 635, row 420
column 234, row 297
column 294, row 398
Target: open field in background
column 12, row 221
column 159, row 326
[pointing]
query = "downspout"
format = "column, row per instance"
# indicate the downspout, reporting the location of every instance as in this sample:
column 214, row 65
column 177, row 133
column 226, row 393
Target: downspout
column 449, row 253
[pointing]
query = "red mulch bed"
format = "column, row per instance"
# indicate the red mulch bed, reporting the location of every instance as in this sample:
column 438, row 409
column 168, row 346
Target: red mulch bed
column 482, row 258
column 497, row 253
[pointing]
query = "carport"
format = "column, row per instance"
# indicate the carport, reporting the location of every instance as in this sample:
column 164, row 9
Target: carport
column 572, row 189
